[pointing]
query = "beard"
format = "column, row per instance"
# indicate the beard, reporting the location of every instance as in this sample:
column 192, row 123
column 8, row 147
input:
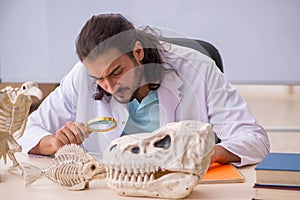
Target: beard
column 127, row 94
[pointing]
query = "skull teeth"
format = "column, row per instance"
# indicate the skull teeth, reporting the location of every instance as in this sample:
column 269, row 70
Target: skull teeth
column 136, row 176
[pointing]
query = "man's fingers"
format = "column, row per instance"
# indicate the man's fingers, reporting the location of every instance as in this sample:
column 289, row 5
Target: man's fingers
column 78, row 133
column 67, row 134
column 72, row 132
column 61, row 136
column 82, row 129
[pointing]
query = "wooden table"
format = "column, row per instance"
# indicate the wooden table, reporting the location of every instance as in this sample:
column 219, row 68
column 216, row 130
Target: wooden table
column 13, row 186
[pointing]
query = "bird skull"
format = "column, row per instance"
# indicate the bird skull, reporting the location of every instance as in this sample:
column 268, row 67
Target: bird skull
column 167, row 163
column 30, row 89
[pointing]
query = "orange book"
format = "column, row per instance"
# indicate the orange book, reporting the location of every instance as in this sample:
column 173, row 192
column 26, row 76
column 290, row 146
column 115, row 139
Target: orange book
column 223, row 173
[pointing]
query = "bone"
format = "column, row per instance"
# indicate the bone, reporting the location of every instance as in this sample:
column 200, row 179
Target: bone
column 160, row 171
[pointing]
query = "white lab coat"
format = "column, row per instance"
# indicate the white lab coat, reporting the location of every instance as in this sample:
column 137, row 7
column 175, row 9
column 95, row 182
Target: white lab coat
column 198, row 92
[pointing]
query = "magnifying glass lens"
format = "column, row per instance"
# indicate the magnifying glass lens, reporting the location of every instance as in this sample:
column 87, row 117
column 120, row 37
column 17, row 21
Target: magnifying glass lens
column 101, row 124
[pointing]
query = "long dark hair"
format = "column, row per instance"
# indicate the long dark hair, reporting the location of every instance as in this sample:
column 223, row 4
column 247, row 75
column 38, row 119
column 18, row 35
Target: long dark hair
column 105, row 31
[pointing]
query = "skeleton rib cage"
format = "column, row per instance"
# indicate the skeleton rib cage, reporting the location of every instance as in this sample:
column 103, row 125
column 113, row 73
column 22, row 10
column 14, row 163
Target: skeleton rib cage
column 14, row 109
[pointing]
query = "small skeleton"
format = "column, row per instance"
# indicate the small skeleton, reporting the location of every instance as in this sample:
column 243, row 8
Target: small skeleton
column 167, row 163
column 71, row 168
column 14, row 109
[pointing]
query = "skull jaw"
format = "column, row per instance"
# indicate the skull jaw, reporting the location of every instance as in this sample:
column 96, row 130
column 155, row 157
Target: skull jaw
column 172, row 186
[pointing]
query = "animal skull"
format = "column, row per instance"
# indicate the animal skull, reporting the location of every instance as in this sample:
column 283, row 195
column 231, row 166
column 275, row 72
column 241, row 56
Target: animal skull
column 167, row 163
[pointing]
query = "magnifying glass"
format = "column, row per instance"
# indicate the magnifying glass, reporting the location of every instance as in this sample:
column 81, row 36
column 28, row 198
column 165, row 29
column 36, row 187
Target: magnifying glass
column 101, row 124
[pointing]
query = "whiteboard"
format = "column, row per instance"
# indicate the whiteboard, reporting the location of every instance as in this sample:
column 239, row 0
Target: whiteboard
column 259, row 40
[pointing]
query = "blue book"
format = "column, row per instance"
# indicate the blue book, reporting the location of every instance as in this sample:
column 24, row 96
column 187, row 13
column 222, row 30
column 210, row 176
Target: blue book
column 279, row 169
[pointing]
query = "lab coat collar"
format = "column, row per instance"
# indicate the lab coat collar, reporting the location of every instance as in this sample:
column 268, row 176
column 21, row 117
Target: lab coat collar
column 169, row 95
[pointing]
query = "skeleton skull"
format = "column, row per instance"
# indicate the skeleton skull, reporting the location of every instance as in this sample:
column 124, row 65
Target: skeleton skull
column 167, row 163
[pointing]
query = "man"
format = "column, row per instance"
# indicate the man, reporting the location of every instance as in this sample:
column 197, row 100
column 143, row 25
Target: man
column 143, row 83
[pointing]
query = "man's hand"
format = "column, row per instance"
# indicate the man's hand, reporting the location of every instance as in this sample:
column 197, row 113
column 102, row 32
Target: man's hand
column 71, row 132
column 222, row 155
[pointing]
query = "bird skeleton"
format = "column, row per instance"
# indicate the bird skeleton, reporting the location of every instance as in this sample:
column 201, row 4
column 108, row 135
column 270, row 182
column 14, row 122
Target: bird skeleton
column 14, row 109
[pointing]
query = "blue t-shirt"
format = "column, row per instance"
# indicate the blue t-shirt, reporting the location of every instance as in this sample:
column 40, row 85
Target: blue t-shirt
column 144, row 116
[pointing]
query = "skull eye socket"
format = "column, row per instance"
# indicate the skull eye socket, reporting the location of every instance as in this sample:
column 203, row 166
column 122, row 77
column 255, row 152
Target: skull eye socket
column 163, row 143
column 135, row 150
column 93, row 167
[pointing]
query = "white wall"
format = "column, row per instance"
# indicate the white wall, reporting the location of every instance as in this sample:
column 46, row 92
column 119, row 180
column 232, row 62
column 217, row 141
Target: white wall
column 259, row 40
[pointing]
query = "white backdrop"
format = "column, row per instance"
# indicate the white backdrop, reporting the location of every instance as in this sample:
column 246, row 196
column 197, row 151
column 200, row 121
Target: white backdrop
column 259, row 40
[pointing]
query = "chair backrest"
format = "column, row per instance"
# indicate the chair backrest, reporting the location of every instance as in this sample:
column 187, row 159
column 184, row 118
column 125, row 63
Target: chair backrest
column 202, row 46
